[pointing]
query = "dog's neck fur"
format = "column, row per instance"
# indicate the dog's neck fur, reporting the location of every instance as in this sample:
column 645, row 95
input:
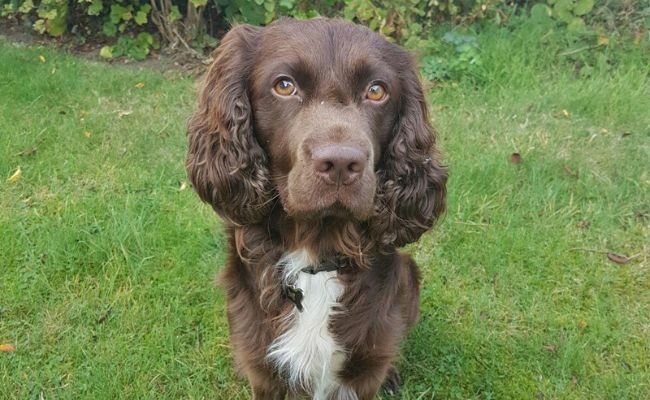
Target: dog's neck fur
column 324, row 239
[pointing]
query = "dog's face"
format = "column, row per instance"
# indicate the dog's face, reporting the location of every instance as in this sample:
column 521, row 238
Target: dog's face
column 325, row 115
column 325, row 102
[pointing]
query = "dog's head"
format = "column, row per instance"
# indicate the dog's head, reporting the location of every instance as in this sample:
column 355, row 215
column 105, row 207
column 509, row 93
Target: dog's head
column 325, row 115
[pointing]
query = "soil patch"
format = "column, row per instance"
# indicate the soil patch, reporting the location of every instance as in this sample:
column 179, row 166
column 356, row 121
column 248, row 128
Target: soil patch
column 16, row 31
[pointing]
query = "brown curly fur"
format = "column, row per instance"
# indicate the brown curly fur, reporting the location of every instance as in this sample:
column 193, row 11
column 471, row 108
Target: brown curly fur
column 246, row 146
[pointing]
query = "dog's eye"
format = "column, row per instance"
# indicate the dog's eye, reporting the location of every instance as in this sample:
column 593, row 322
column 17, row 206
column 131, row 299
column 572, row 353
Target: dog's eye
column 284, row 87
column 376, row 92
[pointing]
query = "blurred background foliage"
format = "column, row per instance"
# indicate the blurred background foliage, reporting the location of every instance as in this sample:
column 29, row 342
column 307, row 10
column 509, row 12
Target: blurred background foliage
column 442, row 32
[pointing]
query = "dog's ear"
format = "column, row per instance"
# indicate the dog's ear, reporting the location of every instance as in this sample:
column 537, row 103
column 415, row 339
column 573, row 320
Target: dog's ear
column 411, row 181
column 225, row 163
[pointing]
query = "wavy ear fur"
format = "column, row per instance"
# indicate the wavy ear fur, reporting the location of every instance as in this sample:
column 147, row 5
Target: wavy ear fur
column 225, row 163
column 411, row 181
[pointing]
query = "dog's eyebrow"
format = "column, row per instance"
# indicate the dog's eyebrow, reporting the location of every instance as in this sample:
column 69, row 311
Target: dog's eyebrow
column 286, row 66
column 365, row 71
column 296, row 68
column 362, row 70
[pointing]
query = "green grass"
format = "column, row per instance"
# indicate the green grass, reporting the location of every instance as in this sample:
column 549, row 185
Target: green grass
column 106, row 263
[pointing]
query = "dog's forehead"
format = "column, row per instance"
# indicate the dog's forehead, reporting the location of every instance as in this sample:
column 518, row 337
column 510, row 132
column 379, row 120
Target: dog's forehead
column 322, row 42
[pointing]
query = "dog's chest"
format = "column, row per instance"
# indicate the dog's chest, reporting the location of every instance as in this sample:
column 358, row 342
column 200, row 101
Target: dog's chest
column 307, row 352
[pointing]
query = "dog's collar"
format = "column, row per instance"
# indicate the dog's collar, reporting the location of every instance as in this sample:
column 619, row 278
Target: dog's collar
column 325, row 266
column 295, row 294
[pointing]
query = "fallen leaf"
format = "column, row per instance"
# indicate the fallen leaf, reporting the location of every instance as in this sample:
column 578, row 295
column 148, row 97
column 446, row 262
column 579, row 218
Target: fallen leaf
column 87, row 134
column 551, row 348
column 183, row 186
column 15, row 177
column 618, row 258
column 139, row 85
column 30, row 151
column 603, row 40
column 7, row 348
column 515, row 158
column 570, row 172
column 566, row 113
column 123, row 114
column 638, row 36
column 41, row 58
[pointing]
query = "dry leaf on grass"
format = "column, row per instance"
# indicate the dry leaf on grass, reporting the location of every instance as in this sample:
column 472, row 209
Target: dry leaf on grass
column 28, row 152
column 515, row 158
column 550, row 348
column 15, row 177
column 603, row 40
column 571, row 172
column 618, row 258
column 7, row 348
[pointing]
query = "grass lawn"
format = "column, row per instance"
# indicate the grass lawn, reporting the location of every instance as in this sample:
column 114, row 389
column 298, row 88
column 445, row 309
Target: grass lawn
column 107, row 257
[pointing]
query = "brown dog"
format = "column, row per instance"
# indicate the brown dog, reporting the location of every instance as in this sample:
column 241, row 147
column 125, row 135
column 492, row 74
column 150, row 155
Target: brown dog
column 312, row 140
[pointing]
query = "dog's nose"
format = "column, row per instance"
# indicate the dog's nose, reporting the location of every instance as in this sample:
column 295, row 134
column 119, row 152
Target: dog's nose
column 339, row 164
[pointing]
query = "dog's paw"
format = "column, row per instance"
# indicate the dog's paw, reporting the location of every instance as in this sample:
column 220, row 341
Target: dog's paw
column 393, row 382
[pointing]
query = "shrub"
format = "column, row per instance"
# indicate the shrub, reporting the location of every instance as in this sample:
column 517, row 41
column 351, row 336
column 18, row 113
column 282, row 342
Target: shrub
column 135, row 27
column 621, row 15
column 458, row 57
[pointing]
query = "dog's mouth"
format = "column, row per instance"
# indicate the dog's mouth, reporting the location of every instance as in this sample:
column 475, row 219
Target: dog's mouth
column 337, row 210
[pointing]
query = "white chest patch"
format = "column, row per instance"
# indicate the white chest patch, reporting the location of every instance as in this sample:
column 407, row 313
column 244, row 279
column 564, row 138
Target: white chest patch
column 307, row 352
